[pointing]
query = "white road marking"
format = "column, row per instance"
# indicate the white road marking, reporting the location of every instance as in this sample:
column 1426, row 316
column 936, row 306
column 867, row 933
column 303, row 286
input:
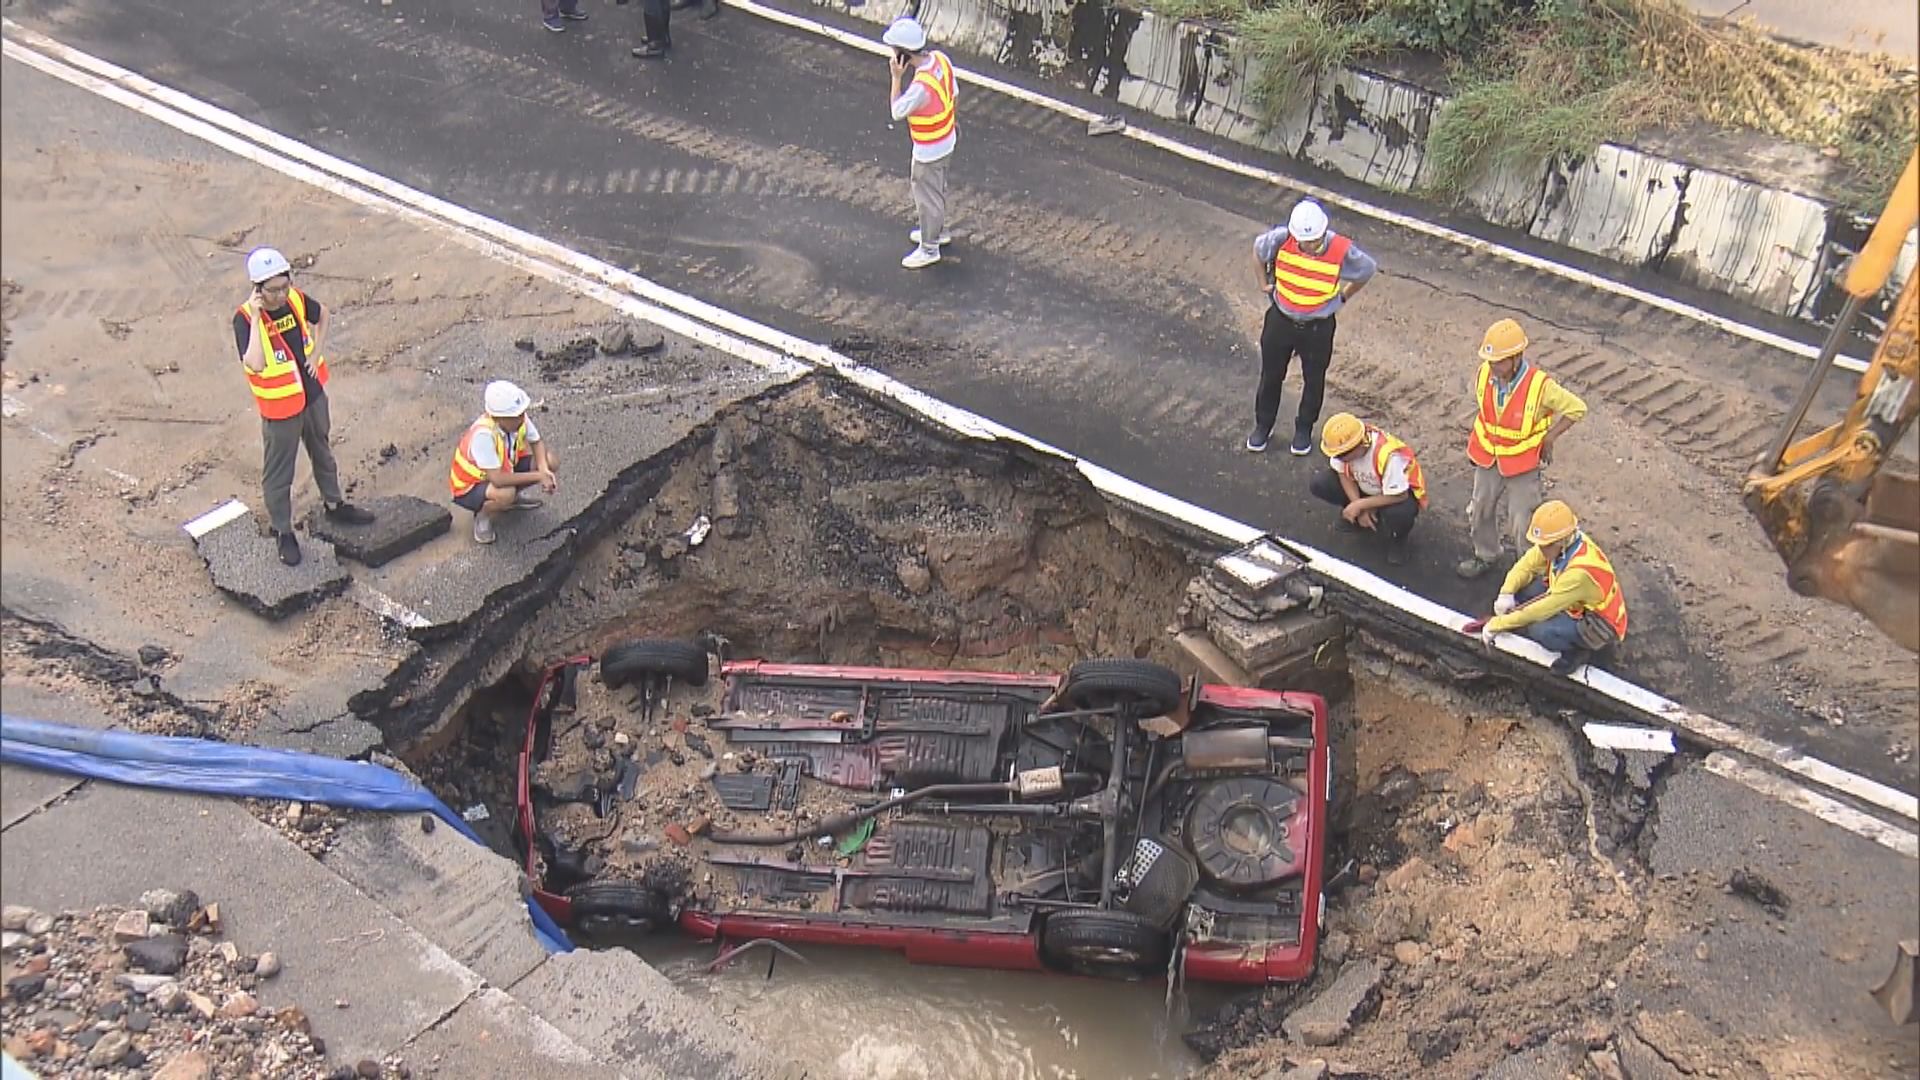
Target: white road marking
column 226, row 512
column 1177, row 148
column 783, row 353
column 386, row 606
column 1616, row 737
column 1828, row 810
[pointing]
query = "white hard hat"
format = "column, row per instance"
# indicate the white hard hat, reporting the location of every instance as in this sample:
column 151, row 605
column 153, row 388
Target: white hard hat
column 906, row 33
column 1308, row 223
column 506, row 399
column 264, row 263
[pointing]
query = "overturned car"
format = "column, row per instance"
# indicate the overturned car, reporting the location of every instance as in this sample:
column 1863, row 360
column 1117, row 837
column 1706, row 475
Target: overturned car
column 1116, row 821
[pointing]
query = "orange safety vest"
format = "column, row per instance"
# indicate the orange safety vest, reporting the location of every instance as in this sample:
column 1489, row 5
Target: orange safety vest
column 276, row 388
column 1586, row 555
column 1384, row 447
column 1303, row 283
column 1510, row 437
column 933, row 120
column 509, row 449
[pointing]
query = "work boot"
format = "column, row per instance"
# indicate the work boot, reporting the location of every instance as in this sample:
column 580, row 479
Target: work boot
column 289, row 548
column 1257, row 441
column 1302, row 439
column 1472, row 567
column 554, row 24
column 1569, row 661
column 482, row 529
column 574, row 16
column 945, row 238
column 528, row 499
column 648, row 50
column 348, row 514
column 921, row 256
column 709, row 8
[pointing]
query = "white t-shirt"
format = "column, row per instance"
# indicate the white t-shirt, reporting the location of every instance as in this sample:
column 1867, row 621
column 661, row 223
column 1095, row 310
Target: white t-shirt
column 1372, row 483
column 485, row 453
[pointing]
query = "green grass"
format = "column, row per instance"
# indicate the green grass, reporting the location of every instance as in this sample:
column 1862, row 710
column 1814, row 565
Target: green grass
column 1293, row 41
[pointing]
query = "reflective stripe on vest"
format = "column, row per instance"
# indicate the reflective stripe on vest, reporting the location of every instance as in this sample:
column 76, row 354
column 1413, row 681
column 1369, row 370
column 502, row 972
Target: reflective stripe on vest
column 1587, row 556
column 1384, row 447
column 277, row 389
column 1509, row 436
column 1303, row 283
column 466, row 475
column 933, row 120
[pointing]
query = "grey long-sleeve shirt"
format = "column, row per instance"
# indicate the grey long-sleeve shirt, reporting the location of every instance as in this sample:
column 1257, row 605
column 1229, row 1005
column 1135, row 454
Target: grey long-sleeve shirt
column 1357, row 267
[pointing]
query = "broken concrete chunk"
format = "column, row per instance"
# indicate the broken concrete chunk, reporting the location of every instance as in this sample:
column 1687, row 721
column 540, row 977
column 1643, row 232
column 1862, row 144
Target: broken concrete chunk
column 246, row 566
column 131, row 926
column 1327, row 1018
column 401, row 523
column 170, row 907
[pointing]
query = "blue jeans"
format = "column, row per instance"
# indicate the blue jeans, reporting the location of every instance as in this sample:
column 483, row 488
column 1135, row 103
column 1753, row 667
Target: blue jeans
column 1559, row 632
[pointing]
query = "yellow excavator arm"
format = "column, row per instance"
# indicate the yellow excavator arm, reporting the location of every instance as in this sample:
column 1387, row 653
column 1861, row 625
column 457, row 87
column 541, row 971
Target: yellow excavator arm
column 1847, row 525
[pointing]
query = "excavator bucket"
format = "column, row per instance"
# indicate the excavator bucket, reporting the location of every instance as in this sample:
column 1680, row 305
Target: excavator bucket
column 1865, row 554
column 1896, row 993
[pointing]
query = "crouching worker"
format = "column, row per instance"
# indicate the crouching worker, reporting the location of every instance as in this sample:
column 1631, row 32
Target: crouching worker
column 1375, row 480
column 500, row 459
column 1562, row 593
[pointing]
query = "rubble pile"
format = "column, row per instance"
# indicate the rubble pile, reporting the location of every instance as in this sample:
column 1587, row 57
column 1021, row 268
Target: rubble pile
column 151, row 992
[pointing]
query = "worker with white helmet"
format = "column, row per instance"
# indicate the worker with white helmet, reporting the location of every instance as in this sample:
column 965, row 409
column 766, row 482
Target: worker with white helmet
column 926, row 103
column 500, row 459
column 1308, row 272
column 279, row 331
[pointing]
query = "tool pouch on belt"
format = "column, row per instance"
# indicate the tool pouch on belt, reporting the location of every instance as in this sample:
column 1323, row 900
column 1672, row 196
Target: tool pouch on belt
column 1595, row 633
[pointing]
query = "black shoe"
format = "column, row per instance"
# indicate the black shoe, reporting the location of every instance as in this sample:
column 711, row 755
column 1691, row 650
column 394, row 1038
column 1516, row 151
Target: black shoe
column 574, row 16
column 289, row 549
column 1302, row 440
column 349, row 514
column 648, row 50
column 1396, row 554
column 1569, row 661
column 1257, row 441
column 554, row 24
column 709, row 8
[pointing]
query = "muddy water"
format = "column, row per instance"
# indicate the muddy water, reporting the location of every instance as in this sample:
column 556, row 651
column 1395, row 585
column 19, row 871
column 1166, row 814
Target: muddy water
column 869, row 1015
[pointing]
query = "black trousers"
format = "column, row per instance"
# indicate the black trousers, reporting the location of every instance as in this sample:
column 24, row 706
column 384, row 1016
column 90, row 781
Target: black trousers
column 1280, row 339
column 654, row 17
column 1394, row 521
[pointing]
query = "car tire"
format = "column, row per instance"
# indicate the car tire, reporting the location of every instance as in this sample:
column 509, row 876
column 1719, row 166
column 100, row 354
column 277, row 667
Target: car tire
column 1093, row 684
column 651, row 658
column 1110, row 944
column 626, row 907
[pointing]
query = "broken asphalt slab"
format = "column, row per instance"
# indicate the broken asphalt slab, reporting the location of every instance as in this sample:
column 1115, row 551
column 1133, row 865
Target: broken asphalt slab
column 1326, row 1019
column 246, row 565
column 400, row 524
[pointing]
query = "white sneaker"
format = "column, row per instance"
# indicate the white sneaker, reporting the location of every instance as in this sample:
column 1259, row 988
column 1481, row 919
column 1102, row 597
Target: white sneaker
column 482, row 529
column 919, row 257
column 528, row 499
column 945, row 238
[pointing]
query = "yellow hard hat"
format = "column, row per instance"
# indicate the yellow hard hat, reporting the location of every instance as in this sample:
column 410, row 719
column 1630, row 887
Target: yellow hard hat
column 1553, row 522
column 1343, row 432
column 1504, row 339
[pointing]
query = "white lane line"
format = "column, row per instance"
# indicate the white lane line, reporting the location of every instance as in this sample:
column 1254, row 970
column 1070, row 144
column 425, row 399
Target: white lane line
column 776, row 350
column 1828, row 810
column 1574, row 274
column 387, row 607
column 220, row 515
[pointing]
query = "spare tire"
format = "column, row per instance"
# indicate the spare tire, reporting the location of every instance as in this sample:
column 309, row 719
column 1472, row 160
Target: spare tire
column 1111, row 944
column 612, row 906
column 651, row 658
column 1094, row 684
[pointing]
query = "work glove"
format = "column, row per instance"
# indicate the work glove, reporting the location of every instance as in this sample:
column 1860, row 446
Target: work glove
column 1487, row 635
column 1505, row 604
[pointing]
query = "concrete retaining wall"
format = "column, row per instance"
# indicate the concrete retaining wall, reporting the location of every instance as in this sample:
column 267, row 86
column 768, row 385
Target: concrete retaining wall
column 1766, row 245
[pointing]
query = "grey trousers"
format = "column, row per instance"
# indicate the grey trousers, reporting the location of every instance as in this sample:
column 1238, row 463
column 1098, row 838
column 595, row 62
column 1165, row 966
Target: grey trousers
column 283, row 440
column 928, row 179
column 1524, row 495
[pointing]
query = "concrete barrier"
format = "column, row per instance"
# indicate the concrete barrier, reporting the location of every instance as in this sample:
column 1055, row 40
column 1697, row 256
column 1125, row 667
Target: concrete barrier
column 1701, row 221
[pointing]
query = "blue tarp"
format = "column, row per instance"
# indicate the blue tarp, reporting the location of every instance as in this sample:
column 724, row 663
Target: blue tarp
column 215, row 768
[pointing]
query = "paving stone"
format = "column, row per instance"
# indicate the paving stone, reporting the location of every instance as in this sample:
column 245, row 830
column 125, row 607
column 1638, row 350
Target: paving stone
column 246, row 566
column 401, row 523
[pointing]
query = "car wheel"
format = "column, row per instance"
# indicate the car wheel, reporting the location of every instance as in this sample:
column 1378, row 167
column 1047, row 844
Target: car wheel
column 1112, row 944
column 1093, row 684
column 625, row 907
column 651, row 658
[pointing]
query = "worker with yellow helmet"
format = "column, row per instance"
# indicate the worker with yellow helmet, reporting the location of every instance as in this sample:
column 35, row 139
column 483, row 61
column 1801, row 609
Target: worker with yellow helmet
column 1562, row 593
column 1520, row 412
column 1374, row 478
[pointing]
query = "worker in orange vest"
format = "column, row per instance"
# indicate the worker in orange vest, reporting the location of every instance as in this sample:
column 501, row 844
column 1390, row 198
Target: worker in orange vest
column 1374, row 478
column 499, row 461
column 1308, row 272
column 1520, row 412
column 926, row 103
column 1562, row 593
column 279, row 330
